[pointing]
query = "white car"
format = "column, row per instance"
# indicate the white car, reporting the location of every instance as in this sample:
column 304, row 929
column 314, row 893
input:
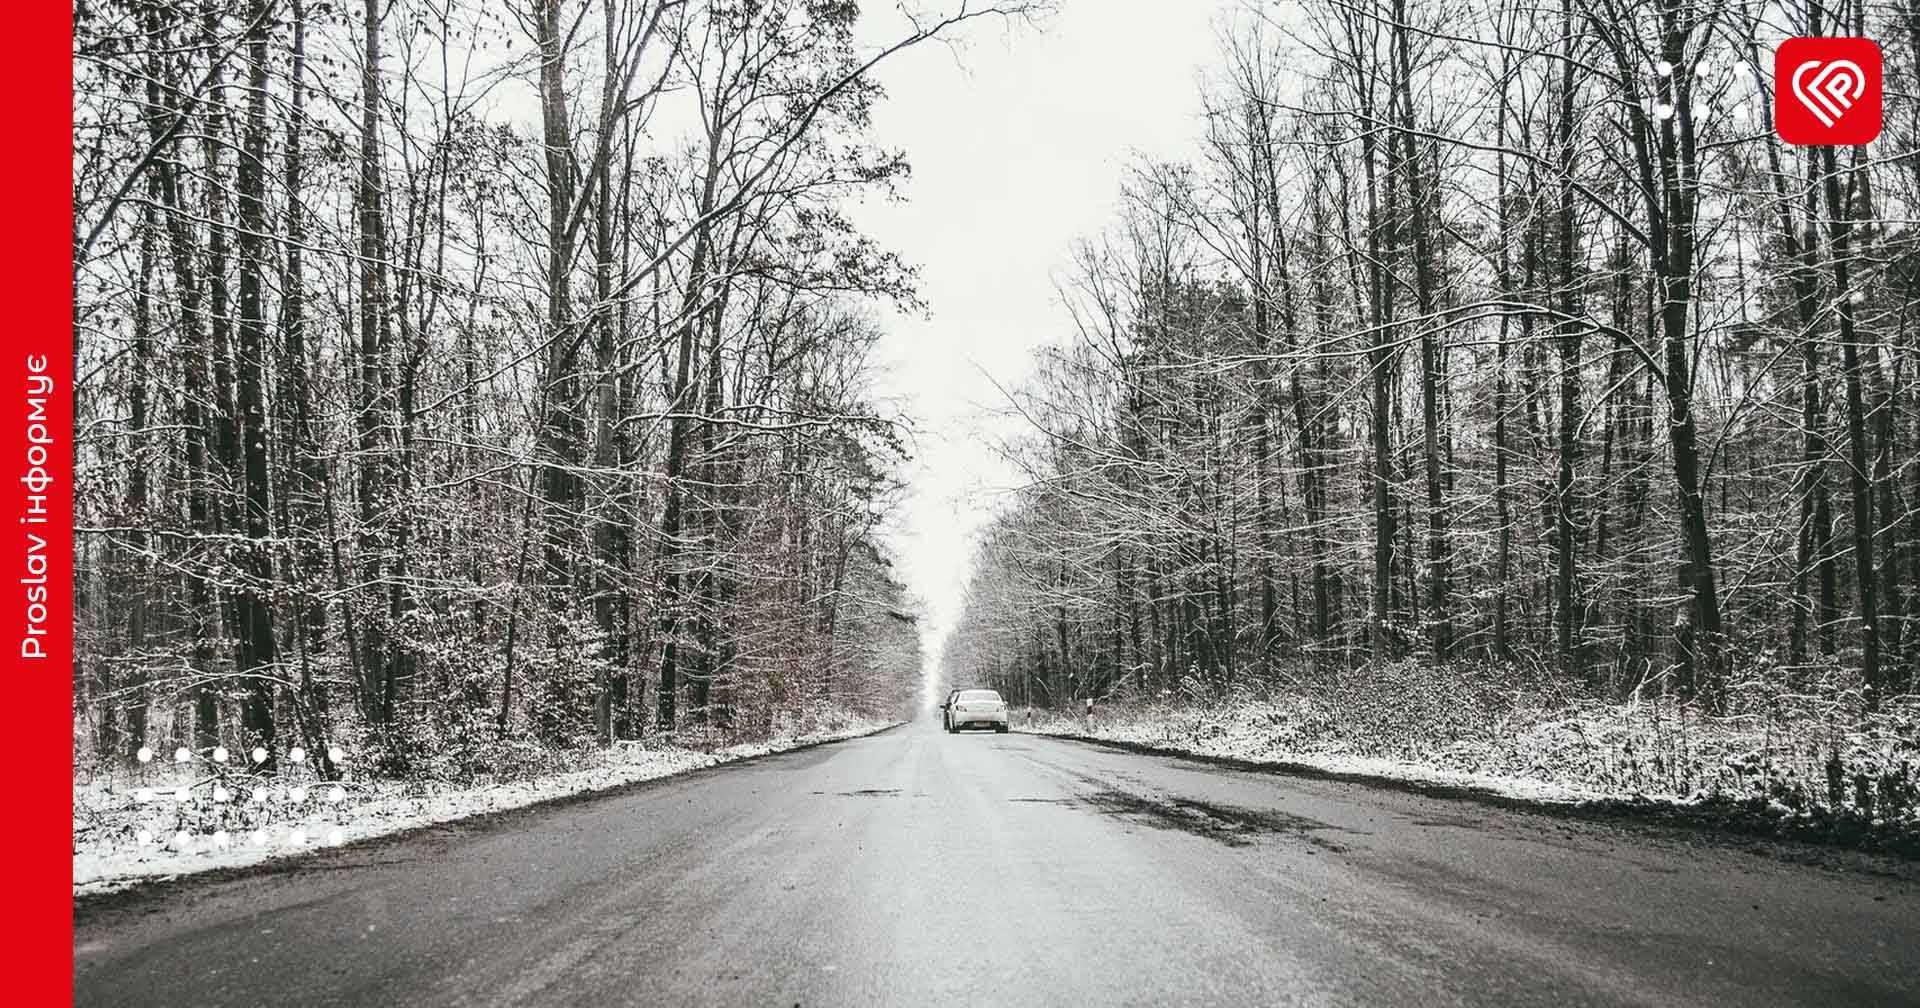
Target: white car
column 976, row 708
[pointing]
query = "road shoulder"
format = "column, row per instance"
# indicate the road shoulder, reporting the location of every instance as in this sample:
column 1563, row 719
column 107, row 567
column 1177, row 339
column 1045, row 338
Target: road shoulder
column 469, row 810
column 1719, row 825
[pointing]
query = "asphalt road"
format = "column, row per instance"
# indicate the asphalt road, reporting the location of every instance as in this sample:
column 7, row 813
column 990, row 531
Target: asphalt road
column 917, row 868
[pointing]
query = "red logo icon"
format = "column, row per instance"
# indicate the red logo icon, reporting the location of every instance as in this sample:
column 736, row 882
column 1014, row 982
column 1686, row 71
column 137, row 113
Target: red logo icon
column 1827, row 91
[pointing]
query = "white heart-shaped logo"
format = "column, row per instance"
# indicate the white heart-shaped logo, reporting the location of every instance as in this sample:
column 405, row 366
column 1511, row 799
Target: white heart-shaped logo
column 1831, row 89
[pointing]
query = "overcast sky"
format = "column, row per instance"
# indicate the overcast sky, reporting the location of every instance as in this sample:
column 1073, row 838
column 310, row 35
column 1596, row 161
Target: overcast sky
column 1019, row 139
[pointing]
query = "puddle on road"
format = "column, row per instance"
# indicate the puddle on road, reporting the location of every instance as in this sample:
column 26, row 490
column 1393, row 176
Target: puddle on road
column 1232, row 825
column 1227, row 824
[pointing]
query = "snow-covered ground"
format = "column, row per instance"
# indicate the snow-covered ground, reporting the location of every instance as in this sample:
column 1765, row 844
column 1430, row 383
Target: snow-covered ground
column 1795, row 766
column 143, row 827
column 1253, row 749
column 1248, row 744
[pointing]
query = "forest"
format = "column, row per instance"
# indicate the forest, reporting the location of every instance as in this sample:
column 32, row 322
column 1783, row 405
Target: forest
column 458, row 380
column 1496, row 344
column 1434, row 485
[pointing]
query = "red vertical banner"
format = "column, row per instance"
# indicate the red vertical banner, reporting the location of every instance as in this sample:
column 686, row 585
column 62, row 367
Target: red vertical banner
column 36, row 398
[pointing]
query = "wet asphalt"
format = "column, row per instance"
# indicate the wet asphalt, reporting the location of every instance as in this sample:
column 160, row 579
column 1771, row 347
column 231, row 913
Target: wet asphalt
column 918, row 868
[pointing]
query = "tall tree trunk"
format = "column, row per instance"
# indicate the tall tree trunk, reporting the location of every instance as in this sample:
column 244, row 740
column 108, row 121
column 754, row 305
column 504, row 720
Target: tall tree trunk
column 1839, row 234
column 308, row 474
column 1261, row 155
column 254, row 608
column 670, row 522
column 1502, row 397
column 142, row 569
column 370, row 407
column 1380, row 364
column 562, row 428
column 1439, row 546
column 1567, row 606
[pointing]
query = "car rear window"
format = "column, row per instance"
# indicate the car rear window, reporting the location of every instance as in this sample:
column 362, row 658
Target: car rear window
column 979, row 694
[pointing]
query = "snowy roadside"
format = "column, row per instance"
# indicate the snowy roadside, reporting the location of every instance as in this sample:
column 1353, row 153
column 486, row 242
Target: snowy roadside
column 125, row 836
column 1803, row 780
column 1145, row 736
